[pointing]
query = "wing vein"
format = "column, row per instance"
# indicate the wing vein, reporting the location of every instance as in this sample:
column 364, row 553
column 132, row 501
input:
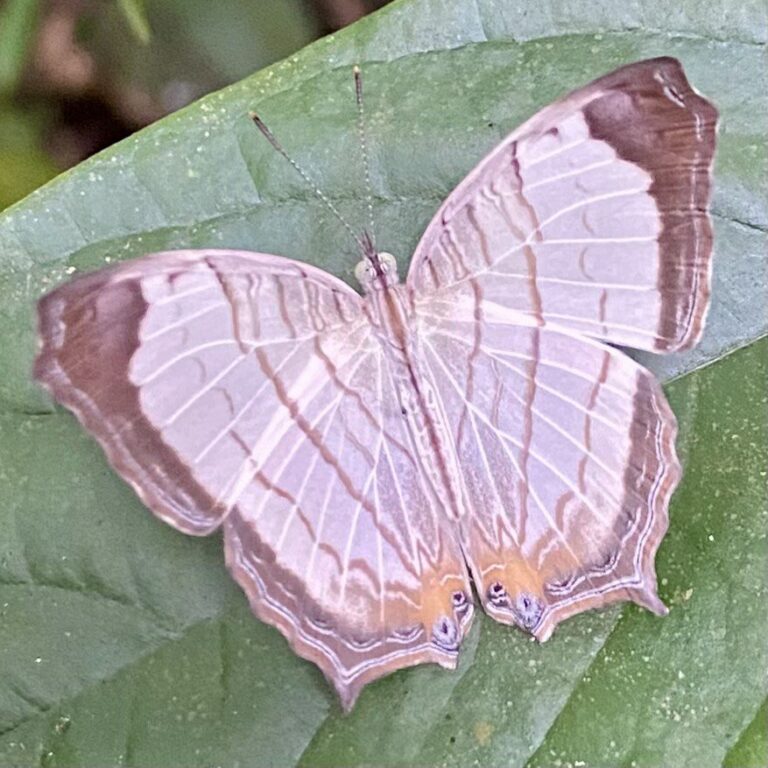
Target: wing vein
column 506, row 436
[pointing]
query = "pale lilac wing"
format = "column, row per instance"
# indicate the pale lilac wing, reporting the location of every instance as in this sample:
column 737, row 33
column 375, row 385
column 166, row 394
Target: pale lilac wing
column 248, row 391
column 568, row 463
column 592, row 215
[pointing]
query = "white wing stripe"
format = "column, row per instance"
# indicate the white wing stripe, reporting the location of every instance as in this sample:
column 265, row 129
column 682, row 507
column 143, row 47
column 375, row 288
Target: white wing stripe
column 566, row 281
column 583, row 203
column 568, row 174
column 508, row 353
column 566, row 482
column 233, row 422
column 449, row 376
column 561, row 150
column 207, row 388
column 181, row 321
column 178, row 358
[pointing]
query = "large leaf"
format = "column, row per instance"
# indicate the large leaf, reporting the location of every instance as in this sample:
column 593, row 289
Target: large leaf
column 123, row 642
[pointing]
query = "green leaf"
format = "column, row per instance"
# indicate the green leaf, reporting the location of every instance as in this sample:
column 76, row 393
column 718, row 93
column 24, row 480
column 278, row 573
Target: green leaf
column 123, row 642
column 751, row 750
column 135, row 14
column 18, row 22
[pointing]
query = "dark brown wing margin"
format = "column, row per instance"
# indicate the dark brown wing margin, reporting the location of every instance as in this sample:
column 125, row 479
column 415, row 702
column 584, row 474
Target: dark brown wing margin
column 84, row 365
column 669, row 130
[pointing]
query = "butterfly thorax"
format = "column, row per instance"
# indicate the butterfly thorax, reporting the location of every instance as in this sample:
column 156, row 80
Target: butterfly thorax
column 388, row 302
column 390, row 309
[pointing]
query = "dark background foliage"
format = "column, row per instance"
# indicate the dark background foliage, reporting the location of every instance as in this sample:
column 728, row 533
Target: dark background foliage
column 78, row 75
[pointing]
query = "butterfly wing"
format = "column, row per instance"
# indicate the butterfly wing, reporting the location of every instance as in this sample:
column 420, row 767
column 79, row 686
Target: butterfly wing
column 592, row 215
column 247, row 391
column 567, row 450
column 588, row 221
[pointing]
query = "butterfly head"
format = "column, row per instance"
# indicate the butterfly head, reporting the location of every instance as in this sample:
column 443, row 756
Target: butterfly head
column 377, row 271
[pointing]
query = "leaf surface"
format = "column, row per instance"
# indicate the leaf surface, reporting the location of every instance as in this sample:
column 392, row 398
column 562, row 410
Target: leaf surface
column 123, row 642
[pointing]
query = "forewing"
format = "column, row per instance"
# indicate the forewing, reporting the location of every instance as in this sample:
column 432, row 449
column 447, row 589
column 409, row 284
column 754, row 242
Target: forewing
column 592, row 215
column 244, row 390
column 568, row 463
column 156, row 354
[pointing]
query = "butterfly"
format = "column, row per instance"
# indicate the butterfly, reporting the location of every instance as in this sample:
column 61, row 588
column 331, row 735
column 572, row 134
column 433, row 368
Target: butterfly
column 380, row 461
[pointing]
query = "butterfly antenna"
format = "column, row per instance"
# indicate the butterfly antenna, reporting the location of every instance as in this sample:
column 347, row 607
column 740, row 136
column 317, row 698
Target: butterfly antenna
column 259, row 123
column 364, row 150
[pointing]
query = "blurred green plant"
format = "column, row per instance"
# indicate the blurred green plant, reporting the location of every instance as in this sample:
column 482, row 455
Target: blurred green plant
column 18, row 21
column 23, row 165
column 136, row 16
column 144, row 58
column 195, row 46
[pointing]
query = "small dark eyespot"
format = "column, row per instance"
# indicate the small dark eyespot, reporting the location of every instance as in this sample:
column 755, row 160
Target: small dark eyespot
column 458, row 599
column 320, row 622
column 609, row 560
column 445, row 634
column 528, row 611
column 361, row 642
column 562, row 585
column 408, row 633
column 497, row 595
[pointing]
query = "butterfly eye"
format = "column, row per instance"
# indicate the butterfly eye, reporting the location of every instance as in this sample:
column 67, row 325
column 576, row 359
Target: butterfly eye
column 364, row 272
